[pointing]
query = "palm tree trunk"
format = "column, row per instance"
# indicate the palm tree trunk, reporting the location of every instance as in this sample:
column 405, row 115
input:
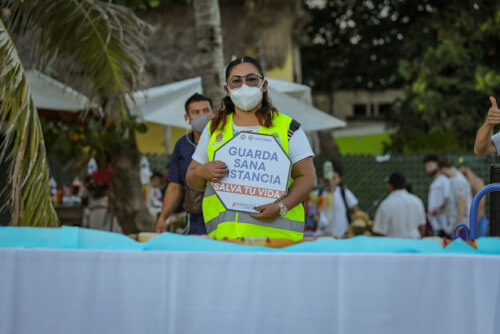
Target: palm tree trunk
column 209, row 42
column 126, row 197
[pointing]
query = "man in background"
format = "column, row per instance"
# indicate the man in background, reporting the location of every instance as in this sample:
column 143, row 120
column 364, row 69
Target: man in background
column 198, row 113
column 476, row 184
column 438, row 198
column 401, row 214
column 460, row 199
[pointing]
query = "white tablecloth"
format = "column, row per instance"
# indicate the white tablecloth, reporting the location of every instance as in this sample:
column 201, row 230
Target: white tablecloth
column 81, row 291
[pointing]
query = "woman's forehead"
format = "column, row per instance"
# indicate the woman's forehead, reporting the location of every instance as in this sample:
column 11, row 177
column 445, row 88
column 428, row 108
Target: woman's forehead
column 244, row 69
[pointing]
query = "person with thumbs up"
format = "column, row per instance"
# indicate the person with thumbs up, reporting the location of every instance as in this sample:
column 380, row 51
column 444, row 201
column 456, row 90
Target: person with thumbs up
column 486, row 143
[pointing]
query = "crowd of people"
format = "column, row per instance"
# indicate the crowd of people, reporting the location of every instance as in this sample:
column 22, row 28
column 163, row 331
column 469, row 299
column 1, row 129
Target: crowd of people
column 402, row 214
column 330, row 209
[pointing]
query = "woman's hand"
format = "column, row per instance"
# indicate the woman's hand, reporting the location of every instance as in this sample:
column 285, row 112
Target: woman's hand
column 212, row 170
column 304, row 180
column 268, row 211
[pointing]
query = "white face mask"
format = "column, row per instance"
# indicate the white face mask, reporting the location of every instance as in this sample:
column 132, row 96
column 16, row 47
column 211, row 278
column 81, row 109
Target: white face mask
column 246, row 98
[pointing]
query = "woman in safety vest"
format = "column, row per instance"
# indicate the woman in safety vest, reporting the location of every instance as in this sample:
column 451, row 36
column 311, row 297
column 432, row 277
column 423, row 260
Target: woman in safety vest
column 247, row 108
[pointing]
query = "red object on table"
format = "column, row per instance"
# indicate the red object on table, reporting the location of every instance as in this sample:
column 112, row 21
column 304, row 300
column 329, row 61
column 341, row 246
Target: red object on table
column 103, row 176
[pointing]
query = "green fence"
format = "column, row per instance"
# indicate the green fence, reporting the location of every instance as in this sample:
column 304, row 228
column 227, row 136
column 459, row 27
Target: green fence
column 366, row 175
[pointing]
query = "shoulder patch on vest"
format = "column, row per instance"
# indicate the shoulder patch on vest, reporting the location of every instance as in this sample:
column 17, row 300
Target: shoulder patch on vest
column 294, row 126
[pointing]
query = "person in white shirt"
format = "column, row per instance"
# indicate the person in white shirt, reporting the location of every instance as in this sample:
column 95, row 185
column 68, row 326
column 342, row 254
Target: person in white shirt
column 155, row 194
column 401, row 214
column 247, row 107
column 486, row 144
column 343, row 205
column 438, row 198
column 461, row 196
column 476, row 184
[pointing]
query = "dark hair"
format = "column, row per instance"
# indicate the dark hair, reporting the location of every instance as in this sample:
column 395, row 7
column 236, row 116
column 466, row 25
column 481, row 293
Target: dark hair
column 156, row 174
column 338, row 168
column 87, row 179
column 445, row 162
column 397, row 180
column 430, row 157
column 196, row 98
column 266, row 112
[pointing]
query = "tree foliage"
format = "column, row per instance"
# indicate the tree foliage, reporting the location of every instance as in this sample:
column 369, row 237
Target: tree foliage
column 96, row 46
column 357, row 44
column 448, row 84
column 144, row 4
column 444, row 54
column 86, row 137
column 23, row 143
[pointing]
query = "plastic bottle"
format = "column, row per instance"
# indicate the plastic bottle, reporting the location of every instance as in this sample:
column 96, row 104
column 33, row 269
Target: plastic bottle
column 145, row 172
column 91, row 166
column 53, row 189
column 328, row 170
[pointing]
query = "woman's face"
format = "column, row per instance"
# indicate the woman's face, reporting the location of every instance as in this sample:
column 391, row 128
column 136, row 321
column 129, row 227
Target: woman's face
column 240, row 73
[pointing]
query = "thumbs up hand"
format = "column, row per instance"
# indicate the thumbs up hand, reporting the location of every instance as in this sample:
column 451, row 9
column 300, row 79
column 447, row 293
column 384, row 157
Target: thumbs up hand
column 493, row 114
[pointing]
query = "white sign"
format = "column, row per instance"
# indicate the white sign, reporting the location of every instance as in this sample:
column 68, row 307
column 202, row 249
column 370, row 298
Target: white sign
column 258, row 172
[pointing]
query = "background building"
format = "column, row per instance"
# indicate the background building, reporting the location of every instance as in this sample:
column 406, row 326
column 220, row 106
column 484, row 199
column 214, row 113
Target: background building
column 365, row 112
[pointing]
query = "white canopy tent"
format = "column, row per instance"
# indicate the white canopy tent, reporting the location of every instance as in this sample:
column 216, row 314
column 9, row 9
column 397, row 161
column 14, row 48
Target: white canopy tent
column 165, row 104
column 310, row 118
column 298, row 91
column 51, row 94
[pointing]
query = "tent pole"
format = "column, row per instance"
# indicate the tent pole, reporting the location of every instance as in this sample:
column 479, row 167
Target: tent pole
column 168, row 139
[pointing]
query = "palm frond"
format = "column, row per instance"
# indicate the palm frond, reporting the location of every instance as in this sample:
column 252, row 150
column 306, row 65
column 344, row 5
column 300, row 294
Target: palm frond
column 97, row 45
column 23, row 142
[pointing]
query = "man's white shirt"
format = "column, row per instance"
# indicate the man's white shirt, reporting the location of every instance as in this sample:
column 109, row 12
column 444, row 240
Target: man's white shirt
column 439, row 194
column 496, row 141
column 400, row 215
column 459, row 187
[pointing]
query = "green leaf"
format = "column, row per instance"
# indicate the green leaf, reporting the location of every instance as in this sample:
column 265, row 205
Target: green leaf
column 28, row 173
column 95, row 45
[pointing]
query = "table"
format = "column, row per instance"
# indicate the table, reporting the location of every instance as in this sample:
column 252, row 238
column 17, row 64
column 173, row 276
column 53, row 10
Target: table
column 70, row 214
column 106, row 291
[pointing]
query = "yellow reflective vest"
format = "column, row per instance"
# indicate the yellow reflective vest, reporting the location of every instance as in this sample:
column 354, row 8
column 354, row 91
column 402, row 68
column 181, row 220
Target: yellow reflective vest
column 222, row 223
